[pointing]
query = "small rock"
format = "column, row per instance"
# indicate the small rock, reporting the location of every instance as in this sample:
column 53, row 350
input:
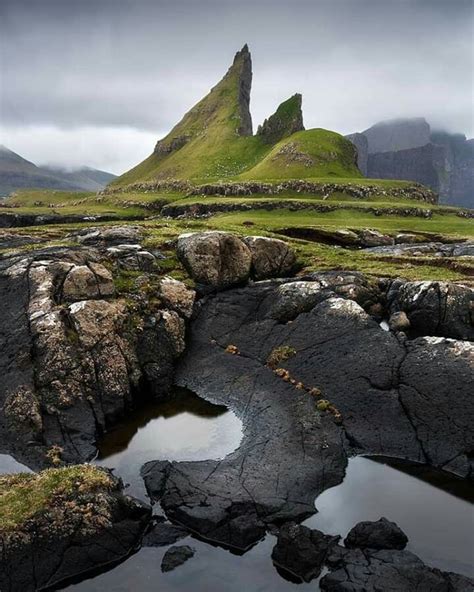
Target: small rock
column 85, row 282
column 177, row 296
column 398, row 321
column 302, row 551
column 381, row 534
column 176, row 556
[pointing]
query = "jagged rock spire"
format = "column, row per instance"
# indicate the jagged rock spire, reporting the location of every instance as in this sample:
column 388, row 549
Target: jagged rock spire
column 286, row 120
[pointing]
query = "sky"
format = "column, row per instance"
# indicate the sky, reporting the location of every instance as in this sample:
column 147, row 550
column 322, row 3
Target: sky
column 98, row 82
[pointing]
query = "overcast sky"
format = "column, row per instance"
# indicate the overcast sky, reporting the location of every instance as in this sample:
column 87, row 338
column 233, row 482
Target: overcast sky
column 97, row 82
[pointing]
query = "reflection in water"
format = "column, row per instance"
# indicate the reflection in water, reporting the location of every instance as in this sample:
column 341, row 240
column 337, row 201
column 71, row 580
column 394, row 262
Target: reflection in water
column 9, row 465
column 184, row 428
column 433, row 508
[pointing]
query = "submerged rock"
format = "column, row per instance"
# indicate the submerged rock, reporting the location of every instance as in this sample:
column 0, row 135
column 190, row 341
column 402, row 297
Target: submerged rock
column 63, row 523
column 163, row 534
column 302, row 551
column 381, row 534
column 176, row 556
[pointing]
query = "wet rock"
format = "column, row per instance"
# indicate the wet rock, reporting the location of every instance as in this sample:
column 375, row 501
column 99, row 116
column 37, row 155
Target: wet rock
column 177, row 296
column 400, row 398
column 302, row 551
column 163, row 534
column 436, row 308
column 108, row 236
column 214, row 259
column 398, row 321
column 381, row 534
column 176, row 556
column 371, row 570
column 79, row 521
column 84, row 282
column 271, row 257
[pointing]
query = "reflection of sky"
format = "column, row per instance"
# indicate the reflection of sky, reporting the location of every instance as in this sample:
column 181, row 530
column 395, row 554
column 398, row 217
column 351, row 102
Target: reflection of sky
column 184, row 436
column 439, row 526
column 9, row 465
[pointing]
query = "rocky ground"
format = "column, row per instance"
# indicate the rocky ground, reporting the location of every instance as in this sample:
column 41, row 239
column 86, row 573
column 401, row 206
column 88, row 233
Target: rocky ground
column 303, row 361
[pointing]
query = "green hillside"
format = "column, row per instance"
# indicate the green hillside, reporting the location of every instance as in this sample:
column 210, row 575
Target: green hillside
column 214, row 141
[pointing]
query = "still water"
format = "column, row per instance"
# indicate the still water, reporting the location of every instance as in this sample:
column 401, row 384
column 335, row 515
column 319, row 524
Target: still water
column 433, row 508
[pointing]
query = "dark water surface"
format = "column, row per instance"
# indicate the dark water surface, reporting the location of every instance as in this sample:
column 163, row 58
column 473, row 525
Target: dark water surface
column 433, row 508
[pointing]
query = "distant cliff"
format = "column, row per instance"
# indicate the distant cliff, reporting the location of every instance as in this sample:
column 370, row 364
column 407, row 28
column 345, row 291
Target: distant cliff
column 409, row 149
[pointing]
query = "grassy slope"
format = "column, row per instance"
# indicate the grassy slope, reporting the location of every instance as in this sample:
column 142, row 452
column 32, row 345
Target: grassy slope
column 307, row 154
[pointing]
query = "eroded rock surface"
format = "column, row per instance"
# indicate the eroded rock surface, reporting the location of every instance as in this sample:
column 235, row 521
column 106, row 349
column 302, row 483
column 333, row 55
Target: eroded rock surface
column 395, row 397
column 72, row 354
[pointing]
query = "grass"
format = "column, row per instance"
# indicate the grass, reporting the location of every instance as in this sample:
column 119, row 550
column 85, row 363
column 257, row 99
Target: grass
column 25, row 495
column 307, row 154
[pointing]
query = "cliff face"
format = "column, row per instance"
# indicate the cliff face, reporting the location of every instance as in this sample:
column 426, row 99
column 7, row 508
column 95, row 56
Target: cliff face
column 408, row 149
column 362, row 145
column 286, row 120
column 397, row 134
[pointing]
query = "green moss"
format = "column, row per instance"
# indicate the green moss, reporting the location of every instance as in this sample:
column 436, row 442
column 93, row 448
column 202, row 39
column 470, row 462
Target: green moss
column 280, row 354
column 25, row 495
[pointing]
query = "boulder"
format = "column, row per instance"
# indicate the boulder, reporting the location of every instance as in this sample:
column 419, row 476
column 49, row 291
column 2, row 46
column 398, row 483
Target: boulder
column 84, row 282
column 132, row 257
column 436, row 308
column 66, row 522
column 302, row 551
column 215, row 260
column 381, row 534
column 271, row 257
column 177, row 296
column 107, row 235
column 176, row 556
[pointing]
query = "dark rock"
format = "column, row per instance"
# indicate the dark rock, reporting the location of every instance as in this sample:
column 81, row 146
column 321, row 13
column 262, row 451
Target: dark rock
column 176, row 556
column 437, row 308
column 302, row 551
column 370, row 570
column 84, row 531
column 387, row 393
column 381, row 534
column 163, row 534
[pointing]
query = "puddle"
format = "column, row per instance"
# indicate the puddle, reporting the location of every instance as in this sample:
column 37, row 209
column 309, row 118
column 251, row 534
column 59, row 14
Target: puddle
column 184, row 428
column 433, row 508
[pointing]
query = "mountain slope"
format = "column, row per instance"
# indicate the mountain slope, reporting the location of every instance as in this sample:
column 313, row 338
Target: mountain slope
column 214, row 140
column 18, row 173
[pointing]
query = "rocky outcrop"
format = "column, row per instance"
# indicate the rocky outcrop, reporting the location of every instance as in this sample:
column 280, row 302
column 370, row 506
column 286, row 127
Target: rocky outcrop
column 398, row 571
column 73, row 356
column 243, row 62
column 286, row 120
column 302, row 551
column 343, row 386
column 381, row 534
column 218, row 260
column 435, row 308
column 75, row 520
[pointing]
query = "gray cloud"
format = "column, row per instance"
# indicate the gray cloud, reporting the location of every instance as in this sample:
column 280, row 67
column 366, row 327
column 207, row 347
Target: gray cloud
column 109, row 65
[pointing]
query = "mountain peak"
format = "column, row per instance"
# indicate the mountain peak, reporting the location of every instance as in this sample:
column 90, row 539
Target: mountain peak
column 286, row 120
